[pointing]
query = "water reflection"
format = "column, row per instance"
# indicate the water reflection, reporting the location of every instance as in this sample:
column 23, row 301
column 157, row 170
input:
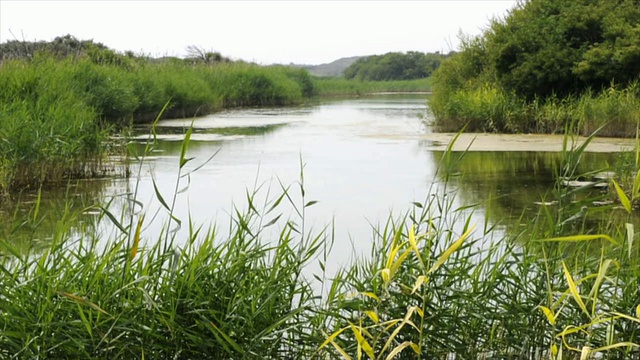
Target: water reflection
column 31, row 219
column 514, row 180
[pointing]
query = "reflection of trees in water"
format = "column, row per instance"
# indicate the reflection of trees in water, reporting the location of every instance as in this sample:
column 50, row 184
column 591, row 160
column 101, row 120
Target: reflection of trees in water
column 509, row 186
column 201, row 139
column 28, row 223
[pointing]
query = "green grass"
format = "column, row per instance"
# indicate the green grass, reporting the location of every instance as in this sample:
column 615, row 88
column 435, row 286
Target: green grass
column 489, row 109
column 434, row 285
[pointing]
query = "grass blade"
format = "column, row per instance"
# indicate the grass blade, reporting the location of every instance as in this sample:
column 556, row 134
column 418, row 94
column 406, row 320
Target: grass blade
column 574, row 290
column 624, row 200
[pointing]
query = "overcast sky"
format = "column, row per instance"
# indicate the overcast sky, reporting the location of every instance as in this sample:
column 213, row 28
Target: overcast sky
column 302, row 32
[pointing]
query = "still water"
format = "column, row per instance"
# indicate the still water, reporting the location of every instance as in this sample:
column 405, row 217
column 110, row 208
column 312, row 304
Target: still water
column 360, row 159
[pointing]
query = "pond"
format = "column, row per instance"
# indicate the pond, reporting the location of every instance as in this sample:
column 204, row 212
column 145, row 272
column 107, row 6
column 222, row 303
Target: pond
column 361, row 159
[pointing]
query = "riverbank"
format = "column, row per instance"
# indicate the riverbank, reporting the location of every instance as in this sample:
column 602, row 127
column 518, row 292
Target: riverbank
column 523, row 142
column 57, row 114
column 489, row 109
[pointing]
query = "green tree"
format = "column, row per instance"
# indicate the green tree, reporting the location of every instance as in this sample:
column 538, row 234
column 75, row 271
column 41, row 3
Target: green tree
column 394, row 66
column 561, row 47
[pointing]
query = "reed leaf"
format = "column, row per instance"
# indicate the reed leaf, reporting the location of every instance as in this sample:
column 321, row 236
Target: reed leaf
column 574, row 290
column 447, row 253
column 624, row 200
column 136, row 238
column 579, row 238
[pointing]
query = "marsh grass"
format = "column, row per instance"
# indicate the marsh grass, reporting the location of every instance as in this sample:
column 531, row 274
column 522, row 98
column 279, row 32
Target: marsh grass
column 436, row 288
column 237, row 295
column 56, row 115
column 488, row 109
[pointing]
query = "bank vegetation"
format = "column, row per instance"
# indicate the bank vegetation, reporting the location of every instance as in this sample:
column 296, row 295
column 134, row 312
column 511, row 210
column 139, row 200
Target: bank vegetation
column 546, row 67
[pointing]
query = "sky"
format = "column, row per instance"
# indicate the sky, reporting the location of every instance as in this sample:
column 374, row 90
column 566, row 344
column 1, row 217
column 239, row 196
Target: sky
column 265, row 32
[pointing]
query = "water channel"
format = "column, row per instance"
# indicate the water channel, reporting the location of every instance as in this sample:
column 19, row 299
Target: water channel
column 362, row 160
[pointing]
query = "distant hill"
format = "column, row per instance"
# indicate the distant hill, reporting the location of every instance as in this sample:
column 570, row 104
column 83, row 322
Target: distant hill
column 334, row 68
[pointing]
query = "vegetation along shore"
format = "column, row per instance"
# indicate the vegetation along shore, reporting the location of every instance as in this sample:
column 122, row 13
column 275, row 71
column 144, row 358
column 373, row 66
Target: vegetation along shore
column 61, row 100
column 547, row 66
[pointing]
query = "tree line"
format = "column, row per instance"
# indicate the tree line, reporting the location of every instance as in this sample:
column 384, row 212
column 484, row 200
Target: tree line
column 553, row 47
column 395, row 66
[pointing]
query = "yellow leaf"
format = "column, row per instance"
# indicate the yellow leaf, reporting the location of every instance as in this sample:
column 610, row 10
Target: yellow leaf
column 393, row 250
column 575, row 238
column 574, row 290
column 630, row 235
column 584, row 354
column 420, row 312
column 136, row 237
column 638, row 311
column 602, row 272
column 419, row 281
column 414, row 246
column 386, row 275
column 333, row 336
column 624, row 200
column 373, row 316
column 549, row 314
column 362, row 341
column 371, row 295
column 82, row 301
column 398, row 349
column 398, row 328
column 396, row 265
column 554, row 350
column 447, row 253
column 631, row 318
column 341, row 351
column 616, row 345
column 564, row 340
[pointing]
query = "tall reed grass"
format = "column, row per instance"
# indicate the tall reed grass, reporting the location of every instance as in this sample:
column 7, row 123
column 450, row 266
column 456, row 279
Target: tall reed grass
column 56, row 114
column 489, row 109
column 436, row 287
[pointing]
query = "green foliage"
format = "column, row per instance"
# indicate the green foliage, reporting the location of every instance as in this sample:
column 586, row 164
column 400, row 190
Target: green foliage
column 490, row 109
column 339, row 86
column 48, row 131
column 563, row 47
column 394, row 66
column 60, row 47
column 547, row 55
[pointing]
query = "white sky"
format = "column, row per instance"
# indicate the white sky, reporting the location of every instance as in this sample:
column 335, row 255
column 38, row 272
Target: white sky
column 302, row 32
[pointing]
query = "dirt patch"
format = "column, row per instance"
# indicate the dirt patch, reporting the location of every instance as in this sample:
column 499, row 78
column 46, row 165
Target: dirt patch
column 523, row 142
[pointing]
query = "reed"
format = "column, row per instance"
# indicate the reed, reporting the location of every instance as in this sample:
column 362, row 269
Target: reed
column 488, row 109
column 435, row 287
column 56, row 115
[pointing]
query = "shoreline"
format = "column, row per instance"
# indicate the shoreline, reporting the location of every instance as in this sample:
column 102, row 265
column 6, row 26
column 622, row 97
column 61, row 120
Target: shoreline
column 524, row 142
